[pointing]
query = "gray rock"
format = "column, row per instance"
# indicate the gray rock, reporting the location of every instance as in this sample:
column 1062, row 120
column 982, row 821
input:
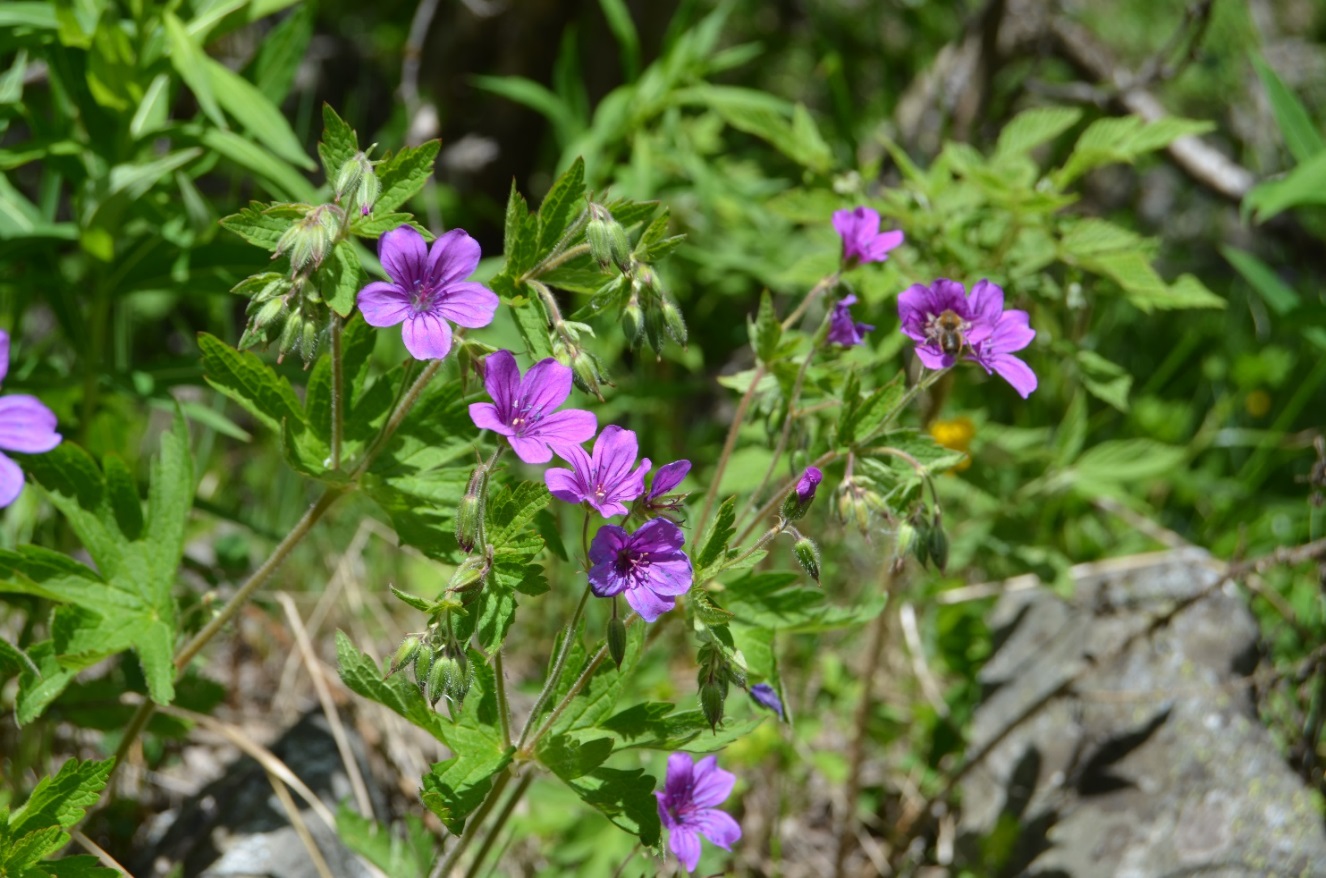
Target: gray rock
column 1153, row 763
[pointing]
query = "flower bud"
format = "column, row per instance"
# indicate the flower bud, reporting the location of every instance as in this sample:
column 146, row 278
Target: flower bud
column 808, row 556
column 470, row 574
column 290, row 334
column 607, row 239
column 308, row 342
column 469, row 515
column 798, row 502
column 633, row 322
column 309, row 241
column 767, row 697
column 938, row 545
column 267, row 312
column 445, row 677
column 405, row 653
column 617, row 640
column 586, row 372
column 712, row 697
column 673, row 321
column 654, row 330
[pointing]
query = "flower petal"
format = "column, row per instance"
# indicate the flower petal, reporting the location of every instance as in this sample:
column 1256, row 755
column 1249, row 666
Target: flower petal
column 1016, row 373
column 383, row 304
column 404, row 256
column 686, row 845
column 485, row 417
column 427, row 336
column 668, row 477
column 1013, row 332
column 530, row 450
column 681, row 767
column 453, row 257
column 605, row 581
column 501, row 378
column 717, row 826
column 563, row 484
column 615, row 452
column 711, row 785
column 11, row 481
column 671, row 576
column 648, row 604
column 546, row 385
column 570, row 427
column 933, row 358
column 27, row 425
column 986, row 302
column 467, row 304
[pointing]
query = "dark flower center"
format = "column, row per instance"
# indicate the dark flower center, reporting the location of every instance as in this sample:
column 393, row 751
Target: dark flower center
column 631, row 562
column 524, row 416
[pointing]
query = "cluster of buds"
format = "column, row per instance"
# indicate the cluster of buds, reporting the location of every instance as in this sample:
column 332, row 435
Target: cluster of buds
column 648, row 310
column 857, row 502
column 929, row 542
column 284, row 311
column 587, row 370
column 715, row 674
column 439, row 663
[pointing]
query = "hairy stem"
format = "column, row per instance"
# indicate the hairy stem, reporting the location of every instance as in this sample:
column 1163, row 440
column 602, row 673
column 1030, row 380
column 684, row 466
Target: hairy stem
column 445, row 865
column 729, row 445
column 498, row 823
column 559, row 666
column 553, row 261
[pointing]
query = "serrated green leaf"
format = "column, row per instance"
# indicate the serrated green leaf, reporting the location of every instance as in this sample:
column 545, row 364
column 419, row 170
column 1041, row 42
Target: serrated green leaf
column 871, row 413
column 624, row 797
column 1112, row 468
column 80, row 866
column 263, row 224
column 36, row 690
column 569, row 758
column 765, row 331
column 921, row 447
column 423, row 605
column 778, row 602
column 1145, row 289
column 1089, row 236
column 1030, row 128
column 520, row 239
column 713, row 548
column 705, row 609
column 598, row 699
column 532, row 322
column 564, row 201
column 780, row 123
column 61, row 800
column 340, row 278
column 454, row 788
column 122, row 494
column 339, row 142
column 404, row 173
column 28, row 849
column 1123, row 139
column 375, row 225
column 250, row 382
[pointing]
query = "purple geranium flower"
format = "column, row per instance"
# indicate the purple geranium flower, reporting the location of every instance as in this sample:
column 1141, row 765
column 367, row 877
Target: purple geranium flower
column 806, row 485
column 668, row 477
column 842, row 330
column 648, row 565
column 523, row 408
column 945, row 323
column 767, row 697
column 687, row 806
column 26, row 426
column 604, row 479
column 427, row 289
column 862, row 239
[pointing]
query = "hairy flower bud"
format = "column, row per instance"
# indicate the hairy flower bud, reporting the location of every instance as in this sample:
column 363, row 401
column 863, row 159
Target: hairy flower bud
column 808, row 556
column 405, row 653
column 587, row 372
column 448, row 676
column 798, row 502
column 712, row 698
column 469, row 515
column 607, row 239
column 470, row 574
column 617, row 640
column 633, row 322
column 673, row 321
column 309, row 241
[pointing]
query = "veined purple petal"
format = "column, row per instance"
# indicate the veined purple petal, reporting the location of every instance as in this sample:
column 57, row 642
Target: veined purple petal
column 1016, row 373
column 563, row 484
column 615, row 452
column 427, row 336
column 485, row 417
column 383, row 304
column 11, row 481
column 468, row 304
column 717, row 826
column 686, row 845
column 1013, row 332
column 547, row 385
column 668, row 477
column 502, row 381
column 986, row 303
column 685, row 807
column 648, row 604
column 26, row 425
column 453, row 257
column 570, row 427
column 404, row 255
column 711, row 784
column 530, row 450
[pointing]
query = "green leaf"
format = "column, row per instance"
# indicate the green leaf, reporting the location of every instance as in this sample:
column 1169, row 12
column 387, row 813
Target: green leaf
column 1123, row 139
column 1030, row 128
column 1141, row 285
column 922, row 448
column 598, row 698
column 1117, row 467
column 339, row 143
column 660, row 726
column 375, row 225
column 863, row 418
column 38, row 688
column 521, row 236
column 1105, row 380
column 1305, row 185
column 40, row 16
column 283, row 48
column 256, row 114
column 787, row 127
column 569, row 758
column 396, row 693
column 624, row 32
column 713, row 548
column 400, row 854
column 339, row 279
column 765, row 331
column 284, row 179
column 563, row 203
column 404, row 173
column 31, row 848
column 250, row 382
column 537, row 97
column 263, row 224
column 1279, row 296
column 626, row 797
column 190, row 62
column 81, row 866
column 122, row 493
column 778, row 602
column 1301, row 135
column 532, row 322
column 60, row 801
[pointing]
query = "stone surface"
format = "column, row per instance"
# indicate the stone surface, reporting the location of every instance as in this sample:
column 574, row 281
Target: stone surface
column 1154, row 762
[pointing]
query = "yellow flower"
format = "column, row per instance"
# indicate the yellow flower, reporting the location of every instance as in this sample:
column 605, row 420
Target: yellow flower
column 1257, row 403
column 955, row 435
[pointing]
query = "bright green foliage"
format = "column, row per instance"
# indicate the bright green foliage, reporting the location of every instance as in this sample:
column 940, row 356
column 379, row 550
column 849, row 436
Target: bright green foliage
column 410, row 856
column 38, row 829
column 127, row 602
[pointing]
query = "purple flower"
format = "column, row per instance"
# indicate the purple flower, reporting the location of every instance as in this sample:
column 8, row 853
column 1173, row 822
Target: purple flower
column 862, row 239
column 766, row 697
column 806, row 485
column 687, row 807
column 522, row 408
column 668, row 477
column 945, row 323
column 604, row 479
column 648, row 565
column 841, row 328
column 26, row 426
column 427, row 289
